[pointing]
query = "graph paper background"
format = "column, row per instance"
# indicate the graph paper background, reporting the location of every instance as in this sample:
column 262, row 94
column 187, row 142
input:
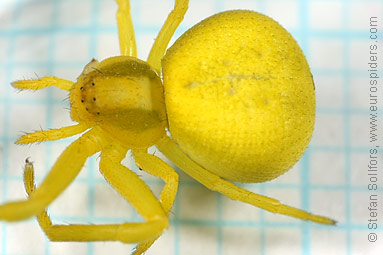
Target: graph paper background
column 58, row 37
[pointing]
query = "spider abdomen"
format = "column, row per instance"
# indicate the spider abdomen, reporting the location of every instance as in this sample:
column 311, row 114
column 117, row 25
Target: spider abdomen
column 239, row 96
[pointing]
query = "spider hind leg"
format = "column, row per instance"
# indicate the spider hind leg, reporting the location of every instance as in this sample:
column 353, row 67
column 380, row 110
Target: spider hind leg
column 170, row 149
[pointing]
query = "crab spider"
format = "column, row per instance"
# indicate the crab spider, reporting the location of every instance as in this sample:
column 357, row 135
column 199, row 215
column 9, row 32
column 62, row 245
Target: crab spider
column 239, row 105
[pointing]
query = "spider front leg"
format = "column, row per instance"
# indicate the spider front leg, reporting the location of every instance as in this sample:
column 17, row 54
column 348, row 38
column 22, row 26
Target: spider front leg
column 125, row 29
column 66, row 168
column 127, row 184
column 52, row 134
column 166, row 33
column 214, row 182
column 43, row 83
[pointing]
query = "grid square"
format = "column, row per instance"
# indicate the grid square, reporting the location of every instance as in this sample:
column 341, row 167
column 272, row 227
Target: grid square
column 109, row 204
column 32, row 48
column 291, row 177
column 72, row 47
column 197, row 202
column 359, row 169
column 61, row 117
column 17, row 234
column 241, row 241
column 331, row 170
column 198, row 10
column 29, row 12
column 241, row 4
column 360, row 94
column 328, row 130
column 329, row 91
column 15, row 190
column 70, row 73
column 326, row 53
column 3, row 82
column 360, row 130
column 108, row 45
column 332, row 10
column 108, row 15
column 146, row 41
column 2, row 225
column 329, row 203
column 357, row 54
column 360, row 244
column 102, row 248
column 332, row 242
column 284, row 12
column 360, row 11
column 17, row 156
column 1, row 126
column 291, row 238
column 363, row 210
column 7, row 20
column 74, row 13
column 162, row 244
column 153, row 14
column 197, row 240
column 72, row 202
column 4, row 50
column 65, row 248
column 32, row 119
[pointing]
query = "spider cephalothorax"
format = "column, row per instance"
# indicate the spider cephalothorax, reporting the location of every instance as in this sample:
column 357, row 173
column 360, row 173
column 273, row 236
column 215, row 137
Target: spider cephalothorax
column 124, row 96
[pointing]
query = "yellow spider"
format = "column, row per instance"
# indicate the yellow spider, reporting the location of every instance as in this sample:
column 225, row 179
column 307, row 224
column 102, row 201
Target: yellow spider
column 236, row 94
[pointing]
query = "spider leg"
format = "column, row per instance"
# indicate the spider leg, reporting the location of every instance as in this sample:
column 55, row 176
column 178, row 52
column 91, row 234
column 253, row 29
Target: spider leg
column 125, row 29
column 155, row 166
column 161, row 43
column 127, row 232
column 29, row 183
column 66, row 168
column 42, row 83
column 52, row 134
column 170, row 149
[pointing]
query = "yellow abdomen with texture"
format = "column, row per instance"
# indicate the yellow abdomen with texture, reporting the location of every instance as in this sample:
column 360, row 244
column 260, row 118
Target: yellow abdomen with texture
column 239, row 95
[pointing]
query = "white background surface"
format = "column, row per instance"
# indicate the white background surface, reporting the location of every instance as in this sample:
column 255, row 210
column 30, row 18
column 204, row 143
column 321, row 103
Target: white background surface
column 44, row 37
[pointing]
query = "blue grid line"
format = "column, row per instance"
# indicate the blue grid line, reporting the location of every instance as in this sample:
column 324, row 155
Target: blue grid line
column 305, row 170
column 7, row 104
column 347, row 136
